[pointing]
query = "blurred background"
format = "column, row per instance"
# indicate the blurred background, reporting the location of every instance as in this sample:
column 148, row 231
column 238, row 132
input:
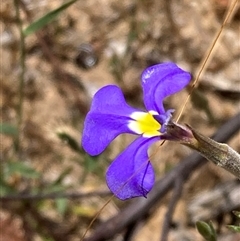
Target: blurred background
column 50, row 188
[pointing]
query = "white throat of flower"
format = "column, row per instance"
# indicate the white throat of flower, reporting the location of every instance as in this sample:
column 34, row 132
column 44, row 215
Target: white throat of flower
column 144, row 123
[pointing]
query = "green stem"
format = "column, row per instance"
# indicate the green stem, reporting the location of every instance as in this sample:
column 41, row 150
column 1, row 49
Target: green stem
column 21, row 77
column 219, row 153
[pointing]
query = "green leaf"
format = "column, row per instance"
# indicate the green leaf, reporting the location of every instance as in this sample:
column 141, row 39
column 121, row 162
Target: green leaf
column 41, row 22
column 46, row 238
column 90, row 163
column 236, row 213
column 206, row 230
column 61, row 177
column 8, row 129
column 234, row 228
column 61, row 204
column 117, row 67
column 5, row 188
column 73, row 144
column 20, row 168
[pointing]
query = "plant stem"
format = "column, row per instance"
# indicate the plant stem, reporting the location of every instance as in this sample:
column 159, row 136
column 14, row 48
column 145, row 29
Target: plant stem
column 21, row 78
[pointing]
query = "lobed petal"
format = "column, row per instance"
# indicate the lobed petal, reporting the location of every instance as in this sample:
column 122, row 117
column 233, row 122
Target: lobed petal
column 108, row 117
column 160, row 81
column 131, row 173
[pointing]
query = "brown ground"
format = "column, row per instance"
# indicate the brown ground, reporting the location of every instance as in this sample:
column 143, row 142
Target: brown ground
column 125, row 37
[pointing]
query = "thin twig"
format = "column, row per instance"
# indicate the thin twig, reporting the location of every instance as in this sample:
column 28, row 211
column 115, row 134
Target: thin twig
column 177, row 192
column 57, row 195
column 140, row 207
column 199, row 208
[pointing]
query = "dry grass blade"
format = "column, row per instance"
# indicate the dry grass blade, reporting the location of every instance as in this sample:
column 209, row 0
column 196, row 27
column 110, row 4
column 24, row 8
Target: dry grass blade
column 209, row 53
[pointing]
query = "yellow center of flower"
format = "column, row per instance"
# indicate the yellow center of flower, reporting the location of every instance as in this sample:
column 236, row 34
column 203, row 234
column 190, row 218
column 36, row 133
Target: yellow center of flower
column 145, row 124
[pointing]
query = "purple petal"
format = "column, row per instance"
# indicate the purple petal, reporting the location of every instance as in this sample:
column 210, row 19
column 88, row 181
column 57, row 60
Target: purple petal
column 131, row 173
column 108, row 117
column 160, row 81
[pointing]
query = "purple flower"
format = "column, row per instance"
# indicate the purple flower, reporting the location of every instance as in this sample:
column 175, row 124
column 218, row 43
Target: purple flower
column 131, row 174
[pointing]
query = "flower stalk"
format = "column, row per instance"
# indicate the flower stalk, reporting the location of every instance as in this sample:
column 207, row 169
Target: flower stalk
column 219, row 153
